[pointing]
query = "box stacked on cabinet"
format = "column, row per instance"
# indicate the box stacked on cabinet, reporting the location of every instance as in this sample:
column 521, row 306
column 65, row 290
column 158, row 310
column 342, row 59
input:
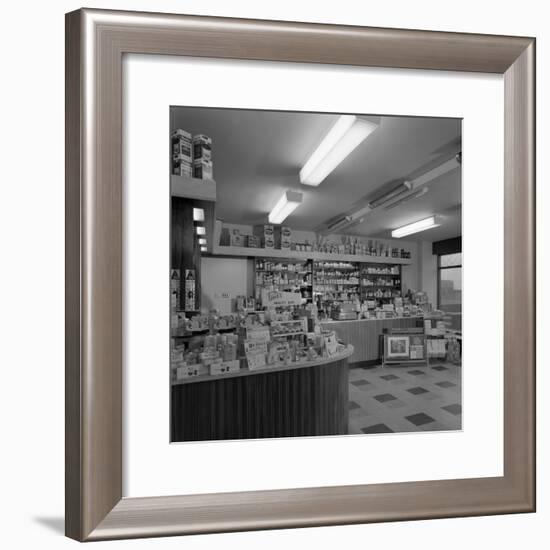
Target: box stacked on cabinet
column 191, row 155
column 202, row 148
column 202, row 169
column 182, row 160
column 202, row 157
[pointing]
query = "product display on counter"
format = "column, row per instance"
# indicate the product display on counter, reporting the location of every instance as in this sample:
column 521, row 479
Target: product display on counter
column 256, row 342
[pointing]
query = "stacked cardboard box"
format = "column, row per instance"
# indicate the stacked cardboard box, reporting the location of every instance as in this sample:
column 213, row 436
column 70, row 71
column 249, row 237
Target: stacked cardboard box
column 266, row 235
column 202, row 147
column 202, row 169
column 192, row 155
column 252, row 241
column 284, row 236
column 202, row 157
column 182, row 159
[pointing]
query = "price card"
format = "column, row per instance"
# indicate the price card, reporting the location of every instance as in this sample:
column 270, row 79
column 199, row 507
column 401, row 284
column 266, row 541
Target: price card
column 252, row 347
column 256, row 361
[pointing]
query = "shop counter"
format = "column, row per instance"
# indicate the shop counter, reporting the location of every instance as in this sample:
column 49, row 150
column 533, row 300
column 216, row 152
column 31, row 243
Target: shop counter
column 364, row 335
column 300, row 399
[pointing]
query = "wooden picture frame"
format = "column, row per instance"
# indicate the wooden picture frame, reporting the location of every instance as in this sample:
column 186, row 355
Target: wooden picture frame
column 95, row 43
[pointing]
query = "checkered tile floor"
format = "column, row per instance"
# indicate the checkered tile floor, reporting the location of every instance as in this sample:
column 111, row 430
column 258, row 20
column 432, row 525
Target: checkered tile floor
column 405, row 399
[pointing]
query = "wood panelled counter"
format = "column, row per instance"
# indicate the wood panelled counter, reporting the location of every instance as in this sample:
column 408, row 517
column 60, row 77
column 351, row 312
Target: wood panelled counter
column 303, row 399
column 364, row 334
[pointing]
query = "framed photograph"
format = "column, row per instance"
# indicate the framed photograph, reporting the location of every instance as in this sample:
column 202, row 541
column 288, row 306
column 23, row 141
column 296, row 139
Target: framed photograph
column 257, row 218
column 398, row 346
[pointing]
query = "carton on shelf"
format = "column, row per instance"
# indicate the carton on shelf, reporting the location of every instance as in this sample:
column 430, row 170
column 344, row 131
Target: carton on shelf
column 202, row 169
column 235, row 238
column 266, row 235
column 252, row 241
column 283, row 237
column 182, row 144
column 181, row 167
column 202, row 147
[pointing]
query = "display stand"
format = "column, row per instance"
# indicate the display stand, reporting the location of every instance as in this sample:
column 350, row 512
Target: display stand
column 406, row 346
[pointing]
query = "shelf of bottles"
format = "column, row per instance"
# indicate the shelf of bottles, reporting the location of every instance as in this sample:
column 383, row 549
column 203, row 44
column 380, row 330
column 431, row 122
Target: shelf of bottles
column 336, row 282
column 380, row 282
column 283, row 275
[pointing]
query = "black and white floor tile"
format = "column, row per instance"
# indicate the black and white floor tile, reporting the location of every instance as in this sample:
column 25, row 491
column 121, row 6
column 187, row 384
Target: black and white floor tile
column 405, row 399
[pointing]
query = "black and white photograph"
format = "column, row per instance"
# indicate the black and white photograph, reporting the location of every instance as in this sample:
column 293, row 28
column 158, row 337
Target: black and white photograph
column 316, row 274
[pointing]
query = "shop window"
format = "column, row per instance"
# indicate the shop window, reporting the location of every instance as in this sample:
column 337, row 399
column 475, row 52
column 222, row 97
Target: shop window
column 449, row 282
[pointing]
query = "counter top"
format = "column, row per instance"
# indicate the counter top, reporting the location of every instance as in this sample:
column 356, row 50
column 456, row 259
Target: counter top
column 330, row 321
column 343, row 354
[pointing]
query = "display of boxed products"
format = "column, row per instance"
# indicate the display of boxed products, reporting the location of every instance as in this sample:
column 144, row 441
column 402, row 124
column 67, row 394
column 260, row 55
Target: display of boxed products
column 181, row 144
column 181, row 166
column 191, row 155
column 283, row 237
column 203, row 169
column 252, row 241
column 266, row 234
column 202, row 147
column 266, row 341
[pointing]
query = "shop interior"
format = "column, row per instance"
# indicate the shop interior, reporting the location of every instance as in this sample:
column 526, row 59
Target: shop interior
column 316, row 274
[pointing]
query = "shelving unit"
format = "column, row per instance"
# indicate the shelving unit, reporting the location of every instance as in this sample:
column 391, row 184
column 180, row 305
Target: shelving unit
column 277, row 254
column 336, row 281
column 380, row 281
column 289, row 275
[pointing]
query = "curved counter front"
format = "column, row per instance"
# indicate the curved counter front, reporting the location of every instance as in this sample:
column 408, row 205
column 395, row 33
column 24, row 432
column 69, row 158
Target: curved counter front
column 300, row 399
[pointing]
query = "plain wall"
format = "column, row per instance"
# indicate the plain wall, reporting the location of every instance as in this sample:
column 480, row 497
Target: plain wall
column 32, row 296
column 222, row 280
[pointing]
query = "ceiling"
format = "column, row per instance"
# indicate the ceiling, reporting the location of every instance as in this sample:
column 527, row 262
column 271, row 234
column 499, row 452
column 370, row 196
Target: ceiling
column 257, row 155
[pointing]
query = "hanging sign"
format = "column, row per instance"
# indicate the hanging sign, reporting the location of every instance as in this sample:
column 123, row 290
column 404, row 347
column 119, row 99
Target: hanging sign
column 190, row 290
column 275, row 298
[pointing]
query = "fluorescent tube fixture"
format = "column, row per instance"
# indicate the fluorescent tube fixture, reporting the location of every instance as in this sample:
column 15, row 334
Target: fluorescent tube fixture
column 204, row 249
column 339, row 224
column 202, row 241
column 198, row 214
column 415, row 227
column 285, row 206
column 200, row 230
column 346, row 134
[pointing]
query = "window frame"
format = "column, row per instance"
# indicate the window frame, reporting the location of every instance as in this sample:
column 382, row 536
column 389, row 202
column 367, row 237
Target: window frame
column 441, row 268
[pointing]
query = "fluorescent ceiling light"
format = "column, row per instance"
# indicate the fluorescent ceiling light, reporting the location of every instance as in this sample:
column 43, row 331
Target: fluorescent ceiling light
column 202, row 241
column 285, row 206
column 415, row 227
column 201, row 230
column 436, row 172
column 204, row 249
column 346, row 134
column 339, row 224
column 198, row 214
